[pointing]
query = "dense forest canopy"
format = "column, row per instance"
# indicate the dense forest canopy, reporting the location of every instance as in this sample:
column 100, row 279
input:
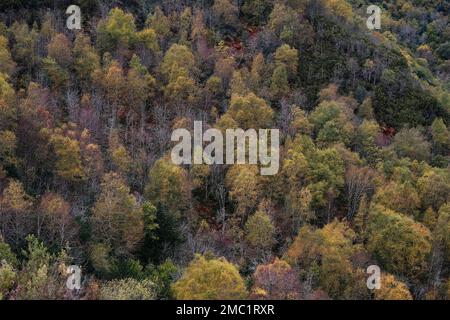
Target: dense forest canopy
column 86, row 177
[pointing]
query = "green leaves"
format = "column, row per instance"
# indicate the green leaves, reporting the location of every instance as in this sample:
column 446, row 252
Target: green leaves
column 399, row 243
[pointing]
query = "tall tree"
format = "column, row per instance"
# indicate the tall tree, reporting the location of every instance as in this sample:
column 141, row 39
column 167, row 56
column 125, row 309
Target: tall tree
column 7, row 64
column 117, row 219
column 275, row 281
column 210, row 279
column 16, row 219
column 168, row 186
column 401, row 245
column 244, row 108
column 56, row 225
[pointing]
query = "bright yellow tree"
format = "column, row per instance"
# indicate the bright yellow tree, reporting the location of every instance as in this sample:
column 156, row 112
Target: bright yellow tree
column 210, row 279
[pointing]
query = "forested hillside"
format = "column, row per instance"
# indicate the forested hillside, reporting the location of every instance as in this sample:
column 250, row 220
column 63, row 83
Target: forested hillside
column 86, row 178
